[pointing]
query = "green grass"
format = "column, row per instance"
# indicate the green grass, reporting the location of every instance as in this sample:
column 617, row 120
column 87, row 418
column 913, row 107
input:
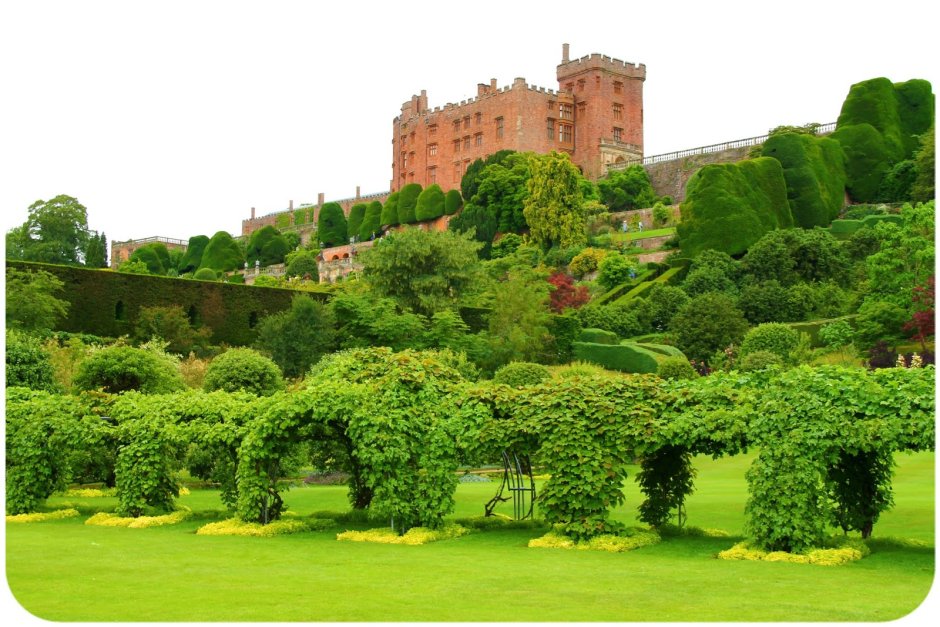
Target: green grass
column 634, row 235
column 65, row 571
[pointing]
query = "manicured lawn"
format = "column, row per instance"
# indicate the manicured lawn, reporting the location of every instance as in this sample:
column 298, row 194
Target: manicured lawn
column 66, row 571
column 633, row 235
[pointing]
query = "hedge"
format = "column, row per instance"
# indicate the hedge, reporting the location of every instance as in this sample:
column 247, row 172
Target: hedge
column 598, row 336
column 625, row 357
column 671, row 276
column 408, row 202
column 843, row 229
column 430, row 204
column 156, row 257
column 389, row 216
column 812, row 327
column 107, row 303
column 193, row 255
column 331, row 225
column 371, row 222
column 222, row 253
column 453, row 202
column 814, row 169
column 729, row 206
column 356, row 215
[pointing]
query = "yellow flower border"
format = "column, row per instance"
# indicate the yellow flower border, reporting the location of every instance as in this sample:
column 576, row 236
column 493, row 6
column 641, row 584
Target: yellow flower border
column 846, row 550
column 606, row 542
column 413, row 537
column 42, row 516
column 104, row 519
column 237, row 527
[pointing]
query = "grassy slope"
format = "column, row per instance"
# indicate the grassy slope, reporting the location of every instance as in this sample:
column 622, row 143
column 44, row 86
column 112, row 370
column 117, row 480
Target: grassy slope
column 65, row 571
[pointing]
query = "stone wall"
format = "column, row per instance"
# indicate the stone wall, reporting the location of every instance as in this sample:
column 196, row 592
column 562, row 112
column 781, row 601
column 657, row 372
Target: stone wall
column 669, row 178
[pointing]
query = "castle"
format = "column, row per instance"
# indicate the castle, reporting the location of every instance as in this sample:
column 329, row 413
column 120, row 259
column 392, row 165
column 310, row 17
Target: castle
column 596, row 116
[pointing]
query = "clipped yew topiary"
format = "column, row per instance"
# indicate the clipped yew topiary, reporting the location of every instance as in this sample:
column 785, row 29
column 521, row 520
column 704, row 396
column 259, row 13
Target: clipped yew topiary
column 814, row 170
column 156, row 257
column 193, row 255
column 453, row 202
column 371, row 221
column 222, row 253
column 774, row 337
column 267, row 246
column 356, row 215
column 408, row 202
column 206, row 274
column 389, row 215
column 730, row 206
column 519, row 373
column 331, row 227
column 430, row 203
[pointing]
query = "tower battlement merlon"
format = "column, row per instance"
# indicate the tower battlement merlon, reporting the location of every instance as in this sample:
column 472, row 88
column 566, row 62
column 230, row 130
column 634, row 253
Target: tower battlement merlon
column 597, row 61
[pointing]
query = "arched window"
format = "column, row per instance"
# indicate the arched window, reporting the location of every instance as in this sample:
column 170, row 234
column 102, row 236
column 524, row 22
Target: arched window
column 119, row 311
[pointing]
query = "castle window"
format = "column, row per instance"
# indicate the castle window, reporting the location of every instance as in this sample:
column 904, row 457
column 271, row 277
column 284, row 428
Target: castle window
column 618, row 134
column 403, row 140
column 456, row 145
column 581, row 85
column 499, row 127
column 478, row 139
column 457, row 172
column 466, row 122
column 566, row 111
column 569, row 87
column 479, row 118
column 456, row 126
column 618, row 87
column 404, row 160
column 618, row 111
column 432, row 150
column 550, row 128
column 466, row 143
column 432, row 130
column 582, row 106
column 564, row 133
column 432, row 176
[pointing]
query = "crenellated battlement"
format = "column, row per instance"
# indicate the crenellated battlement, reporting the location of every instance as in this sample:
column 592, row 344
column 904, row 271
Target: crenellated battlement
column 603, row 62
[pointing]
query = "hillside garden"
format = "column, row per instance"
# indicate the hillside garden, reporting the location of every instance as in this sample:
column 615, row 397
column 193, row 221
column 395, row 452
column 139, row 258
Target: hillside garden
column 762, row 391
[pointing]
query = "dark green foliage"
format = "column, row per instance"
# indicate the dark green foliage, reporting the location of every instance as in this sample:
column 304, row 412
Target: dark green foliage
column 389, row 216
column 666, row 478
column 676, row 368
column 779, row 339
column 471, row 178
column 155, row 256
column 768, row 301
column 56, row 231
column 506, row 245
column 520, row 373
column 705, row 279
column 331, row 227
column 296, row 339
column 222, row 254
column 108, row 304
column 626, row 357
column 27, row 364
column 192, row 258
column 453, row 202
column 860, row 485
column 564, row 328
column 408, row 202
column 118, row 369
column 371, row 222
column 925, row 160
column 708, row 323
column 790, row 254
column 480, row 221
column 627, row 189
column 664, row 302
column 96, row 250
column 364, row 319
column 357, row 214
column 206, row 274
column 430, row 203
column 266, row 246
column 615, row 269
column 598, row 336
column 625, row 319
column 496, row 206
column 728, row 207
column 814, row 170
column 867, row 159
column 172, row 325
column 879, row 320
column 898, row 182
column 243, row 369
column 759, row 360
column 302, row 263
column 32, row 302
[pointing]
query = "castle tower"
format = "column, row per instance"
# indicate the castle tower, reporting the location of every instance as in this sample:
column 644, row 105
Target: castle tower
column 608, row 110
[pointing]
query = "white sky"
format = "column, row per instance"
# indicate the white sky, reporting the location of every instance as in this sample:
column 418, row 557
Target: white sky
column 175, row 118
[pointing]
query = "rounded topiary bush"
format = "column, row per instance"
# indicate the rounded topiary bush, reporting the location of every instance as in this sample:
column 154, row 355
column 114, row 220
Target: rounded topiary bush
column 205, row 274
column 28, row 365
column 676, row 368
column 124, row 368
column 521, row 373
column 243, row 369
column 759, row 360
column 773, row 337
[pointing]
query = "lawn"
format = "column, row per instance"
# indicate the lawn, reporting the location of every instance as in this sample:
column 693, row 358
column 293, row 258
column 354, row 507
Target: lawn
column 66, row 571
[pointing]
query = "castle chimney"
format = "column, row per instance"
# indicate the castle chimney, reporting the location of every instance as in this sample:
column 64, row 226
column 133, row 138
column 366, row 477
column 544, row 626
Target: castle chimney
column 320, row 199
column 518, row 82
column 252, row 213
column 290, row 205
column 493, row 84
column 481, row 89
column 564, row 53
column 357, row 192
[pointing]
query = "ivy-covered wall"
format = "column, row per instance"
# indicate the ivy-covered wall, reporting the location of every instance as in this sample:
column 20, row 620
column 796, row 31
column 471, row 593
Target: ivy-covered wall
column 107, row 303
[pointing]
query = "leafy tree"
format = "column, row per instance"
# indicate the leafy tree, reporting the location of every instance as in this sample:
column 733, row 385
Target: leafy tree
column 519, row 322
column 365, row 319
column 357, row 214
column 708, row 279
column 408, row 202
column 479, row 221
column 471, row 178
column 921, row 324
column 768, row 301
column 172, row 325
column 27, row 364
column 614, row 269
column 430, row 203
column 770, row 259
column 155, row 256
column 297, row 338
column 773, row 337
column 56, row 231
column 565, row 295
column 506, row 245
column 836, row 334
column 424, row 271
column 630, row 188
column 222, row 254
column 117, row 369
column 898, row 182
column 554, row 208
column 879, row 320
column 96, row 250
column 664, row 302
column 31, row 302
column 266, row 246
column 453, row 202
column 905, row 258
column 925, row 162
column 708, row 323
column 371, row 222
column 331, row 227
column 302, row 263
column 192, row 258
column 389, row 216
column 243, row 369
column 586, row 261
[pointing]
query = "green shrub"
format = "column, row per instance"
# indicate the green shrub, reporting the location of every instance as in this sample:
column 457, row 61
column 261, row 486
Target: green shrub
column 505, row 245
column 759, row 360
column 371, row 222
column 453, row 202
column 31, row 301
column 586, row 261
column 123, row 368
column 192, row 258
column 707, row 323
column 331, row 225
column 357, row 214
column 615, row 269
column 302, row 263
column 389, row 216
column 266, row 246
column 768, row 301
column 728, row 207
column 676, row 368
column 243, row 369
column 879, row 320
column 27, row 364
column 172, row 325
column 520, row 373
column 630, row 188
column 772, row 337
column 408, row 202
column 598, row 336
column 156, row 257
column 814, row 170
column 626, row 357
column 430, row 203
column 621, row 318
column 296, row 339
column 206, row 274
column 222, row 254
